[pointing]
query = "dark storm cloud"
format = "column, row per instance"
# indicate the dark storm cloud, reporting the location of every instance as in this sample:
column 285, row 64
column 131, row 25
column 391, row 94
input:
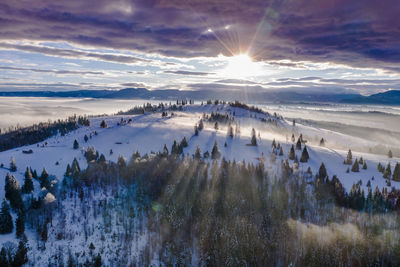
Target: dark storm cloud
column 190, row 73
column 61, row 72
column 358, row 33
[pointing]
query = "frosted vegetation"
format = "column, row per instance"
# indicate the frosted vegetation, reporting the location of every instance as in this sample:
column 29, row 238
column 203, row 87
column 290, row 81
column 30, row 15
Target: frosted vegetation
column 221, row 184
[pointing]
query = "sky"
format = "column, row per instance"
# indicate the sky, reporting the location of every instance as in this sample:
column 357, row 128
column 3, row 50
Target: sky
column 335, row 46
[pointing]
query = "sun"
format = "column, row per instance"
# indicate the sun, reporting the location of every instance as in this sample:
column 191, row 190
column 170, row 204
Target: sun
column 241, row 66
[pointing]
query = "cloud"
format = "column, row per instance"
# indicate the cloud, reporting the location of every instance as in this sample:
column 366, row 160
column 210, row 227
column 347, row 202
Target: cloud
column 184, row 72
column 61, row 72
column 70, row 53
column 356, row 33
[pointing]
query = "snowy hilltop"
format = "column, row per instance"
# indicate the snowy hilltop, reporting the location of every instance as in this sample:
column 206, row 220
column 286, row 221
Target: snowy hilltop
column 123, row 189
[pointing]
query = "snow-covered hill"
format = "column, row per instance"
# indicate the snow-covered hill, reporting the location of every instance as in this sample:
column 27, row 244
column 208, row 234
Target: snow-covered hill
column 149, row 132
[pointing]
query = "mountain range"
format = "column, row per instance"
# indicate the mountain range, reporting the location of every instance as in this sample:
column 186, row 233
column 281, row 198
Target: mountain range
column 390, row 97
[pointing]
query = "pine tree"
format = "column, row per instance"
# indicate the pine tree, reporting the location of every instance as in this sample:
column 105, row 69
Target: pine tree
column 28, row 183
column 6, row 223
column 322, row 142
column 388, row 171
column 361, row 161
column 175, row 148
column 20, row 257
column 13, row 165
column 396, row 173
column 12, row 190
column 86, row 138
column 293, row 138
column 364, row 167
column 298, row 144
column 390, row 154
column 197, row 154
column 20, row 224
column 349, row 158
column 356, row 166
column 201, row 125
column 121, row 162
column 292, row 153
column 230, row 131
column 280, row 151
column 76, row 144
column 304, row 156
column 4, row 258
column 273, row 145
column 165, row 151
column 196, row 130
column 44, row 181
column 75, row 169
column 103, row 124
column 216, row 126
column 253, row 137
column 102, row 159
column 97, row 261
column 322, row 171
column 184, row 142
column 215, row 153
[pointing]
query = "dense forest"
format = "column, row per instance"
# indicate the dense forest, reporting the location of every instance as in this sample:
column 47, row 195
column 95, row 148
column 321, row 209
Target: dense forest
column 187, row 210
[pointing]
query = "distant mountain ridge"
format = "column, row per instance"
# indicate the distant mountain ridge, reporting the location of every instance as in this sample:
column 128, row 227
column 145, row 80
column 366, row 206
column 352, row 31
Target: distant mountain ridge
column 389, row 97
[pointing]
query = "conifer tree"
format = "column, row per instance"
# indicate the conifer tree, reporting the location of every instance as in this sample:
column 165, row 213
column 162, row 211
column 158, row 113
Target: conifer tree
column 292, row 153
column 253, row 137
column 298, row 144
column 390, row 154
column 273, row 145
column 215, row 154
column 197, row 154
column 12, row 190
column 216, row 126
column 102, row 159
column 361, row 161
column 76, row 144
column 165, row 151
column 196, row 130
column 175, row 148
column 28, row 183
column 4, row 258
column 184, row 142
column 356, row 166
column 304, row 156
column 293, row 138
column 230, row 131
column 44, row 182
column 20, row 257
column 86, row 138
column 396, row 173
column 349, row 158
column 364, row 167
column 322, row 142
column 388, row 171
column 20, row 224
column 322, row 171
column 280, row 151
column 13, row 165
column 201, row 125
column 121, row 162
column 103, row 124
column 6, row 223
column 75, row 169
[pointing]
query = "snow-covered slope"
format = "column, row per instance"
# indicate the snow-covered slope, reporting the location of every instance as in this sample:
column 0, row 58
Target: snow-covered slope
column 149, row 132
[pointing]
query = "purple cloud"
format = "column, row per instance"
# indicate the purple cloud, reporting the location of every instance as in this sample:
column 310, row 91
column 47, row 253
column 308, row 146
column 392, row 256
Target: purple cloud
column 358, row 33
